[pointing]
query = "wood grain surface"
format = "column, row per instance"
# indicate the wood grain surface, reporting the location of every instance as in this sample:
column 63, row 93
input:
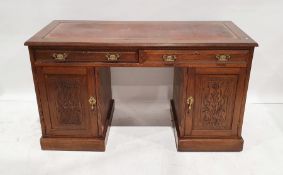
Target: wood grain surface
column 141, row 33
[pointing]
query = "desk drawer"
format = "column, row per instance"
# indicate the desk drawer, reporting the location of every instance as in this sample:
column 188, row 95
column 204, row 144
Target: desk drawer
column 194, row 56
column 85, row 56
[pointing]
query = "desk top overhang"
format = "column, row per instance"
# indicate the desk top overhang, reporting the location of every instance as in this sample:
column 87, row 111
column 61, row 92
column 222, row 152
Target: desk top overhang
column 142, row 34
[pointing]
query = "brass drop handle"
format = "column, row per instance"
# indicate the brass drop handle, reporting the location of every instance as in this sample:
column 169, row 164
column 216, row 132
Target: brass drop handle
column 190, row 102
column 92, row 102
column 59, row 56
column 223, row 57
column 112, row 56
column 169, row 58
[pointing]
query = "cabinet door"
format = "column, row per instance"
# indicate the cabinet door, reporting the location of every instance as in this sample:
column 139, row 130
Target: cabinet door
column 64, row 95
column 214, row 97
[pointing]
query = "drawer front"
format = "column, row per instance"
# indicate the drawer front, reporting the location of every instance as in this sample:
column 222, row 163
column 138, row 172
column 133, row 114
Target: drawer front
column 85, row 56
column 212, row 57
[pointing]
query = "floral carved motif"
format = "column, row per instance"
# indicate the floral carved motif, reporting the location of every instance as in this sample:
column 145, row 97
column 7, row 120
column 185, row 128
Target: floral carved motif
column 68, row 101
column 216, row 102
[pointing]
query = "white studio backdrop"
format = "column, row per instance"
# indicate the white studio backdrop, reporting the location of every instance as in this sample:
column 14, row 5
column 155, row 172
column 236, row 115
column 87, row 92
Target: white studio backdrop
column 261, row 19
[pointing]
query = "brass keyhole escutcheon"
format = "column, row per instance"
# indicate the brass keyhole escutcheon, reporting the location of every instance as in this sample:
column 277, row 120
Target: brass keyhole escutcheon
column 92, row 102
column 190, row 102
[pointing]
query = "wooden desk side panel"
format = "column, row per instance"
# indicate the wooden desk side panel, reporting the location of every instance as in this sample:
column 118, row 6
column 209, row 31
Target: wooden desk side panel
column 36, row 87
column 179, row 97
column 245, row 91
column 104, row 96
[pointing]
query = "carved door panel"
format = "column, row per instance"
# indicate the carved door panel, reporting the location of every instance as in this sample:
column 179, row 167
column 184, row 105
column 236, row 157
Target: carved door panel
column 64, row 95
column 214, row 97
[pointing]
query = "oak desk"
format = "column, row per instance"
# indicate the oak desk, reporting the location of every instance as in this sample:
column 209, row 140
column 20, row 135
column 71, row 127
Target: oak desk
column 71, row 63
